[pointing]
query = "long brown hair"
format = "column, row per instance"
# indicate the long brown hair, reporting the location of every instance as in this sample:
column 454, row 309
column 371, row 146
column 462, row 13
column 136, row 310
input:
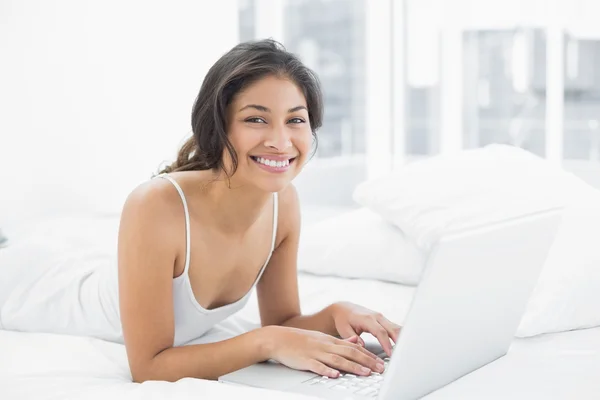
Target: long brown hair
column 233, row 72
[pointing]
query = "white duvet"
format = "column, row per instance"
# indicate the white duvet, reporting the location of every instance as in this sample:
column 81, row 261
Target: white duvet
column 44, row 366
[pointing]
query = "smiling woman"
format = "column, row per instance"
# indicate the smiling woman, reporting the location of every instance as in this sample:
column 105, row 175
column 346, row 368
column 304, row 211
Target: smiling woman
column 253, row 61
column 273, row 127
column 274, row 162
column 182, row 270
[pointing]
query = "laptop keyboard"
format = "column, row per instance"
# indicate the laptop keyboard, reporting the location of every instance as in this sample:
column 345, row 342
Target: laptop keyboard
column 350, row 383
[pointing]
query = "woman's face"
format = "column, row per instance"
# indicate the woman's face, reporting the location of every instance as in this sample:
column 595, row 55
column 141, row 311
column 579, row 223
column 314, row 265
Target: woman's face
column 270, row 131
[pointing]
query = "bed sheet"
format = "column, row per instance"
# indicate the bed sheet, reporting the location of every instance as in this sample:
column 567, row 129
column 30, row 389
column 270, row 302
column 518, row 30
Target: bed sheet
column 45, row 366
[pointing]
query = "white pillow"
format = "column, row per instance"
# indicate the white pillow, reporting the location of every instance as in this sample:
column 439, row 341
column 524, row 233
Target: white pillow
column 439, row 193
column 429, row 197
column 360, row 244
column 567, row 295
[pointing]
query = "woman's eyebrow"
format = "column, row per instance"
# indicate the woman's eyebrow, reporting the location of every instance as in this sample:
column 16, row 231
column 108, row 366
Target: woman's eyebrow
column 297, row 108
column 256, row 106
column 266, row 109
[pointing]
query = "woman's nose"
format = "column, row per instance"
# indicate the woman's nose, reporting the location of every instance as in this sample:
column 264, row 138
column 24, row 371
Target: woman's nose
column 279, row 138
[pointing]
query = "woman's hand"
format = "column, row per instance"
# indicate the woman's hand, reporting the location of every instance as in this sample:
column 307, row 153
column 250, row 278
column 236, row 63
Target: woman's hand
column 320, row 353
column 353, row 320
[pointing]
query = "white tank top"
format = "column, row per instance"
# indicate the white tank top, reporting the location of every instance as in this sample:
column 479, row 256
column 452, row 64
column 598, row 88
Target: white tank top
column 191, row 319
column 77, row 293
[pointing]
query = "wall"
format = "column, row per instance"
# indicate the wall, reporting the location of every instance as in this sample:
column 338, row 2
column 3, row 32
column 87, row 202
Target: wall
column 94, row 95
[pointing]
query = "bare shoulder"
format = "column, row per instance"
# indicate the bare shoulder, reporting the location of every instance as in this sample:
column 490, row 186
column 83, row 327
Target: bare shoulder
column 152, row 210
column 153, row 193
column 288, row 223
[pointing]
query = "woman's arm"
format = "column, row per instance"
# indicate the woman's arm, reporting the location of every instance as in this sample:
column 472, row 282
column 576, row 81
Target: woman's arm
column 278, row 290
column 206, row 361
column 321, row 321
column 151, row 226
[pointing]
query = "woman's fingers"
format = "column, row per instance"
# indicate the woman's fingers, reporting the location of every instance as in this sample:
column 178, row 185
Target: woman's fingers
column 319, row 368
column 355, row 339
column 347, row 331
column 392, row 329
column 361, row 342
column 359, row 348
column 351, row 339
column 374, row 328
column 341, row 363
column 360, row 356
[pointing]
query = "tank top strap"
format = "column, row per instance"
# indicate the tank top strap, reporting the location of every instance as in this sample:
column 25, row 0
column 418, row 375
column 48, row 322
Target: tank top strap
column 273, row 237
column 187, row 221
column 275, row 216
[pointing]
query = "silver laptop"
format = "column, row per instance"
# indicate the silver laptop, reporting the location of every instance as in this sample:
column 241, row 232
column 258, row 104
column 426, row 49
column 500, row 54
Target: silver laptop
column 464, row 315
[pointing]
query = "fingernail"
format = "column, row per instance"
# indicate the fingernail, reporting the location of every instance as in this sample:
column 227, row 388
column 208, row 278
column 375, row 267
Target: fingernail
column 380, row 367
column 365, row 370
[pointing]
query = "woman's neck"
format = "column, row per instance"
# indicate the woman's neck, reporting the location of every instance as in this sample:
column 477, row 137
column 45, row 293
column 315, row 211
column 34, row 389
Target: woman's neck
column 234, row 209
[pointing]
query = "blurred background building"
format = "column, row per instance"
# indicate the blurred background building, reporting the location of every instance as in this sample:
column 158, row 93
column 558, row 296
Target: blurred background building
column 504, row 86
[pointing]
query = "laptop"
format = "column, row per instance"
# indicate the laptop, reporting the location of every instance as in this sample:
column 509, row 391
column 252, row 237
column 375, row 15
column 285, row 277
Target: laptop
column 464, row 314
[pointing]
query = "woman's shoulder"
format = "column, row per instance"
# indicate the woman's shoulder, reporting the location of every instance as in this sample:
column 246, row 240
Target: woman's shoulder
column 155, row 194
column 153, row 204
column 288, row 220
column 289, row 202
column 160, row 192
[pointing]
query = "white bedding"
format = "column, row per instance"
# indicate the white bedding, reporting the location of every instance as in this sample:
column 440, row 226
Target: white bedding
column 43, row 366
column 47, row 367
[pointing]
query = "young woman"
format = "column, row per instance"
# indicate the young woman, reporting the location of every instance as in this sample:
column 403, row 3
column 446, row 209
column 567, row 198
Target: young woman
column 223, row 218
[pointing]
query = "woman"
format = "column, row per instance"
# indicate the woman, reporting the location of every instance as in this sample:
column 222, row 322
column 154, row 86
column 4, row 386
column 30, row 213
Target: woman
column 194, row 240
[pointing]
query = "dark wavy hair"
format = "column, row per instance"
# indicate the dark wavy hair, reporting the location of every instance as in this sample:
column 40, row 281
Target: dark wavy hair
column 243, row 65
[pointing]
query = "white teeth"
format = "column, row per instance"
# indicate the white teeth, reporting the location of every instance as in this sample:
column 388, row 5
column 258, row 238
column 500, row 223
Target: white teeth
column 273, row 163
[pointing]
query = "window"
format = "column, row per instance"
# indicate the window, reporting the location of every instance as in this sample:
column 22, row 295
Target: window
column 503, row 96
column 582, row 98
column 491, row 72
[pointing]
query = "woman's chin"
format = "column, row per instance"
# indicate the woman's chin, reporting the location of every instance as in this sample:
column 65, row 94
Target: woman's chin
column 271, row 185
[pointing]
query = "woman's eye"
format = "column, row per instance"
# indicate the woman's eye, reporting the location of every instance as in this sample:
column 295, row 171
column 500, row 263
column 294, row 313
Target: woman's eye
column 296, row 120
column 256, row 120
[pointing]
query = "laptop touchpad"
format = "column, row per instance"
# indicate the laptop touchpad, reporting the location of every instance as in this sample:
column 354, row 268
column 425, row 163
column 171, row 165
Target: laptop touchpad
column 271, row 375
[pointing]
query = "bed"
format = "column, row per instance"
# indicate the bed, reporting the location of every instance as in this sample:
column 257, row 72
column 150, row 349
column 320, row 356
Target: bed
column 44, row 366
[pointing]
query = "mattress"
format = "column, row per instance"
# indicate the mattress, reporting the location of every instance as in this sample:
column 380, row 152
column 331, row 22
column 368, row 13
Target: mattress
column 46, row 366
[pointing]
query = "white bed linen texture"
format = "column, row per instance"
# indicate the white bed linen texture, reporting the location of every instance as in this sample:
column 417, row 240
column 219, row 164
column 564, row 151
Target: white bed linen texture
column 61, row 277
column 51, row 366
column 45, row 366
